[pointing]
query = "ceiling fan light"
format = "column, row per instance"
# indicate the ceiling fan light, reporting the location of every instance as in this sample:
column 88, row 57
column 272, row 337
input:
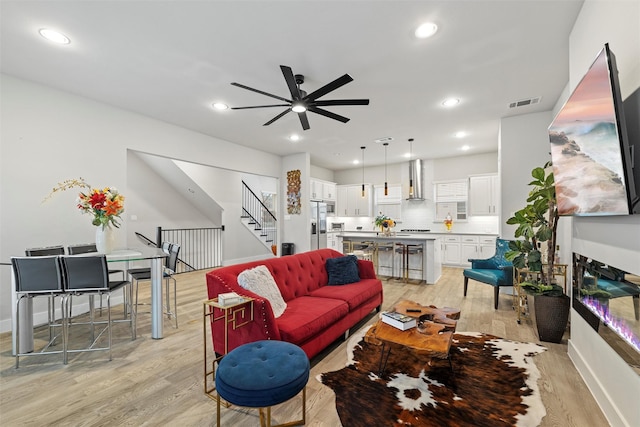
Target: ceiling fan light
column 298, row 108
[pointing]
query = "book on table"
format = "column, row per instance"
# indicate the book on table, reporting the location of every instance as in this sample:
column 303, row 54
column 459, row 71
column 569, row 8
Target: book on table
column 398, row 320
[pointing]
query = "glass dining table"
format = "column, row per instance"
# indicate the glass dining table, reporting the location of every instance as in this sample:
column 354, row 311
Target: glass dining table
column 153, row 255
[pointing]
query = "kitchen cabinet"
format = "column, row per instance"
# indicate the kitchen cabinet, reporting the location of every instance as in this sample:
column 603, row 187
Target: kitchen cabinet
column 451, row 250
column 487, row 247
column 350, row 200
column 334, row 242
column 468, row 249
column 484, row 195
column 451, row 198
column 394, row 195
column 322, row 190
column 389, row 205
column 457, row 249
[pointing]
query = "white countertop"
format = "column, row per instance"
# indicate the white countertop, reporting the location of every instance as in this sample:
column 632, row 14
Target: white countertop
column 375, row 233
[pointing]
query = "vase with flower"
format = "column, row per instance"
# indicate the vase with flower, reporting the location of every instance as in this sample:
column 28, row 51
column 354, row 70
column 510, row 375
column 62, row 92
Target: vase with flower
column 384, row 223
column 105, row 205
column 448, row 222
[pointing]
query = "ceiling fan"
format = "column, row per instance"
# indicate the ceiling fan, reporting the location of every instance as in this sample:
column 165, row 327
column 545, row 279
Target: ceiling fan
column 301, row 102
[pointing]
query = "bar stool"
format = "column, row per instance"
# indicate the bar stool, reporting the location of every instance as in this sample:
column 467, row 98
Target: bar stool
column 401, row 249
column 412, row 252
column 385, row 259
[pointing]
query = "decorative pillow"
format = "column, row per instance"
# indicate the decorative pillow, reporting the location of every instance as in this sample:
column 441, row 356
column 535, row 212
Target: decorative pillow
column 342, row 270
column 260, row 281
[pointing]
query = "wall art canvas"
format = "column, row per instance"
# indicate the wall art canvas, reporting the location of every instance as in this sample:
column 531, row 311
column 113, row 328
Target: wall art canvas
column 293, row 192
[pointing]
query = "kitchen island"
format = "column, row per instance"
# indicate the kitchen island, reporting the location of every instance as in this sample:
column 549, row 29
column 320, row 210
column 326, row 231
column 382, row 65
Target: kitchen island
column 431, row 257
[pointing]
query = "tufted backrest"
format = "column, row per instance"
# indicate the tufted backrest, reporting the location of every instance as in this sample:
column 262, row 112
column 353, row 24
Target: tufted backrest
column 296, row 275
column 502, row 247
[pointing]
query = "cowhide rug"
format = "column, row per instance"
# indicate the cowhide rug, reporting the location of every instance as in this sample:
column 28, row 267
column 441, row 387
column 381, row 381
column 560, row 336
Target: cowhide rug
column 493, row 383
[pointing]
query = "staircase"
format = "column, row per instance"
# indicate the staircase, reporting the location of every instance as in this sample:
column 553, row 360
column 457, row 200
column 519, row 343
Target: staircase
column 259, row 219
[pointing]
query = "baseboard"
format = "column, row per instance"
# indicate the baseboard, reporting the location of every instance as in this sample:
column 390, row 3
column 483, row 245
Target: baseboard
column 604, row 401
column 247, row 259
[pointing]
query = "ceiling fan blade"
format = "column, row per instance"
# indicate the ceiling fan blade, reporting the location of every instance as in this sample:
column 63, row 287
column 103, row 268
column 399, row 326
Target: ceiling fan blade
column 341, row 102
column 261, row 92
column 260, row 106
column 291, row 82
column 328, row 114
column 304, row 121
column 277, row 117
column 339, row 82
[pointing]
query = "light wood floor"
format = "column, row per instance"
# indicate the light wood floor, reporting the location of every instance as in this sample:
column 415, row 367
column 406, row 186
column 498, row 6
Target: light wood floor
column 160, row 382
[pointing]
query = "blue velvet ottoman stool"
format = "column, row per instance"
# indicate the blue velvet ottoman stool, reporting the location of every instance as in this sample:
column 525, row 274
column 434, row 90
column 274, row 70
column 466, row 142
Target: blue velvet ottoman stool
column 262, row 374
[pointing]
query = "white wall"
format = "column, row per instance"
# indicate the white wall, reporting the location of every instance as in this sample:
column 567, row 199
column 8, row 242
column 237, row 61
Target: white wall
column 613, row 240
column 297, row 227
column 47, row 136
column 524, row 145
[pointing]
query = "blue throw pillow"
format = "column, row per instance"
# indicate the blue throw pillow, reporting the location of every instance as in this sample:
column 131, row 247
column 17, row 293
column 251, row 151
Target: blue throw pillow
column 342, row 270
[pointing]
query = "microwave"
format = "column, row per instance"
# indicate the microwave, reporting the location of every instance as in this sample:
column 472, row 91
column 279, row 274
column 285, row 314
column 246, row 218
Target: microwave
column 337, row 226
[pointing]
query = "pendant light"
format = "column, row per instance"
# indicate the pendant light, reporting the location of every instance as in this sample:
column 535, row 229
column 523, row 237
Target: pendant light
column 362, row 148
column 386, row 187
column 410, row 159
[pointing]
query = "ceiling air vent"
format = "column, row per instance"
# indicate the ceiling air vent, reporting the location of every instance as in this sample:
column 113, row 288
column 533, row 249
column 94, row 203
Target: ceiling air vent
column 525, row 102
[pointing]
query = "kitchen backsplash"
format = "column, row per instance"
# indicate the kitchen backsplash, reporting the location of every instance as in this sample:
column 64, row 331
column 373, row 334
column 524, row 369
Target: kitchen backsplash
column 420, row 215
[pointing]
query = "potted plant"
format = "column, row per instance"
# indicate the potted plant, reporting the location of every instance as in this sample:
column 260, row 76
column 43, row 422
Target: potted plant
column 537, row 223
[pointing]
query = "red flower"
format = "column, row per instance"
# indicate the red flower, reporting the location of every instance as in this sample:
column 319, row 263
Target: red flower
column 97, row 200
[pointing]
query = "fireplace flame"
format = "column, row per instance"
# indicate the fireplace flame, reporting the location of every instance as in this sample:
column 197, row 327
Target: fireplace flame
column 615, row 323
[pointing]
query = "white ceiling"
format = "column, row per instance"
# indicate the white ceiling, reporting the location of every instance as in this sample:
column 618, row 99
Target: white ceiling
column 171, row 60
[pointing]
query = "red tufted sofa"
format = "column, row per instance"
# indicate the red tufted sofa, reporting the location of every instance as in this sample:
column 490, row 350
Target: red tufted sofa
column 316, row 314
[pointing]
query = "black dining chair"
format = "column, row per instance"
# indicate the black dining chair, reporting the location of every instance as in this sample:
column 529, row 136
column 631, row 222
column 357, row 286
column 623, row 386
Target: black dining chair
column 88, row 248
column 144, row 275
column 51, row 310
column 89, row 275
column 37, row 276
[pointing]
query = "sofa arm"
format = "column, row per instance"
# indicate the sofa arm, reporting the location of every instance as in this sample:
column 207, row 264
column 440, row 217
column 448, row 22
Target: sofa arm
column 263, row 326
column 366, row 269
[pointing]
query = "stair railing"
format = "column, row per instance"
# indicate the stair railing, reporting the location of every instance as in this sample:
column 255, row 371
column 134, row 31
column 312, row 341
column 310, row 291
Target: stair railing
column 259, row 216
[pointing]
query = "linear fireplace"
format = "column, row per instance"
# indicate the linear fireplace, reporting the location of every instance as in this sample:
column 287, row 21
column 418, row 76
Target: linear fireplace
column 609, row 300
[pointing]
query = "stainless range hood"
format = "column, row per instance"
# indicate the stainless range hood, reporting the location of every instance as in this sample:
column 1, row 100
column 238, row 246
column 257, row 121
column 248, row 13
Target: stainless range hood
column 415, row 177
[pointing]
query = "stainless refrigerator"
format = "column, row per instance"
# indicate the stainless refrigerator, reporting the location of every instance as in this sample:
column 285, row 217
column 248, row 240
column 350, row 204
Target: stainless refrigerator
column 318, row 225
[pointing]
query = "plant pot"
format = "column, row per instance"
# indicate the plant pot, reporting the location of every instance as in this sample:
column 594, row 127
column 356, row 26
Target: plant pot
column 550, row 315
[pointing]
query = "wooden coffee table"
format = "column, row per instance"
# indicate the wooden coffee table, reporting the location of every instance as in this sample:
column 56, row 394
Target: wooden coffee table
column 432, row 337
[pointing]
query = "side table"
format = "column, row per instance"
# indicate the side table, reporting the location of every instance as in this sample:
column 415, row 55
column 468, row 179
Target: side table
column 520, row 297
column 235, row 315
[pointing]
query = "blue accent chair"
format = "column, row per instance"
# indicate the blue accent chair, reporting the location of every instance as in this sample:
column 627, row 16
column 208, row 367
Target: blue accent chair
column 495, row 271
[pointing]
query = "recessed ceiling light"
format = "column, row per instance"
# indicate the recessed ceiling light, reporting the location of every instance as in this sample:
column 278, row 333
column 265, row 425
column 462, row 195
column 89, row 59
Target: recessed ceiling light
column 450, row 102
column 356, row 162
column 465, row 148
column 54, row 36
column 461, row 134
column 294, row 137
column 220, row 106
column 426, row 30
column 407, row 155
